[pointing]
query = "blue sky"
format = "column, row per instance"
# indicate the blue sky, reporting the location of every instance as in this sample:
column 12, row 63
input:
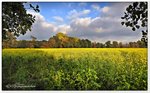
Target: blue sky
column 96, row 21
column 51, row 9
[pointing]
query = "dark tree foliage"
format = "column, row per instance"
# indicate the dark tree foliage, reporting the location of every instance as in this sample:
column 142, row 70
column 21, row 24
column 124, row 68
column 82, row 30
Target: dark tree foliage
column 15, row 18
column 136, row 17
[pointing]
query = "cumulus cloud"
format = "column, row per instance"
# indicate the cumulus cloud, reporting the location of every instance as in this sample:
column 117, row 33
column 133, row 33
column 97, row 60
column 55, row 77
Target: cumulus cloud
column 81, row 21
column 75, row 14
column 102, row 30
column 64, row 29
column 40, row 29
column 58, row 18
column 95, row 6
column 106, row 26
column 85, row 12
column 43, row 30
column 115, row 9
column 105, row 9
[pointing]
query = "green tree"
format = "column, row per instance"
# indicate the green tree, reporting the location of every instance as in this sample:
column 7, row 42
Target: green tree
column 100, row 45
column 45, row 44
column 141, row 44
column 22, row 44
column 11, row 42
column 136, row 17
column 108, row 44
column 120, row 45
column 115, row 44
column 15, row 19
column 33, row 42
column 88, row 42
column 52, row 42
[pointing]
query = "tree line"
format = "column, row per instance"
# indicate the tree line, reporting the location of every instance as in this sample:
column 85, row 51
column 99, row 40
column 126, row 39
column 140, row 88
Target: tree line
column 61, row 40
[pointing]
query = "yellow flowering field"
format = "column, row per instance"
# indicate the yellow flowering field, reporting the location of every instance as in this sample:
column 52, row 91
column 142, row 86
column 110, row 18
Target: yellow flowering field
column 75, row 69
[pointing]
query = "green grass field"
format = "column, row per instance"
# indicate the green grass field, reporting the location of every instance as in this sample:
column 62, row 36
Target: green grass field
column 75, row 69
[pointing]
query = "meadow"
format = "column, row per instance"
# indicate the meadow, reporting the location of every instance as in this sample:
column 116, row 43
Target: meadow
column 75, row 69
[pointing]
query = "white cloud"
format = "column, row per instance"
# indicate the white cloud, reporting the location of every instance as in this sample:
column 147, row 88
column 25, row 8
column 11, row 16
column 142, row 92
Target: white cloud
column 98, row 8
column 105, row 27
column 95, row 6
column 40, row 29
column 64, row 29
column 43, row 30
column 81, row 22
column 99, row 29
column 115, row 10
column 58, row 18
column 85, row 12
column 105, row 9
column 102, row 28
column 75, row 14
